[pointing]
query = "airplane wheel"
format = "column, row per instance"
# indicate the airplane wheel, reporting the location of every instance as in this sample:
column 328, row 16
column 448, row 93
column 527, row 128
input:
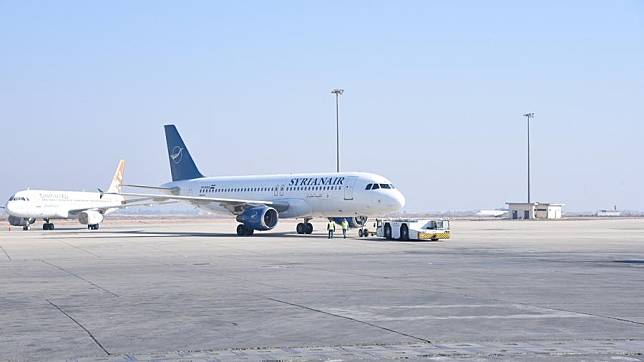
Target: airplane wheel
column 51, row 226
column 249, row 232
column 25, row 228
column 404, row 232
column 96, row 226
column 45, row 226
column 300, row 228
column 360, row 233
column 309, row 228
column 241, row 230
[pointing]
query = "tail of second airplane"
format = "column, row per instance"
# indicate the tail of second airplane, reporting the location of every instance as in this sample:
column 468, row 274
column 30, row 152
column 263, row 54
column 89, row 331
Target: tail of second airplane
column 117, row 180
column 181, row 164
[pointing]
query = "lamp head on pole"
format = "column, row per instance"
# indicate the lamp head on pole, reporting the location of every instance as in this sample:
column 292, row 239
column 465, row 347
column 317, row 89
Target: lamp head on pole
column 529, row 115
column 337, row 91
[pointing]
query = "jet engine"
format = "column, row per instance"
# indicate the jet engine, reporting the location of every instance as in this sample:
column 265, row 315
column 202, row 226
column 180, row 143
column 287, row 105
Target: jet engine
column 20, row 221
column 259, row 218
column 90, row 217
column 354, row 222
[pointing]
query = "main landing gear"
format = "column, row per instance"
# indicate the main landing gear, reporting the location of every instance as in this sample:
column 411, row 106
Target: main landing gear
column 92, row 227
column 304, row 227
column 47, row 225
column 243, row 230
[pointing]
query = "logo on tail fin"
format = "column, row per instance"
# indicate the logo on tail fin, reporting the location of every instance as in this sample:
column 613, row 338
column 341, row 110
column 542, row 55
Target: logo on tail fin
column 117, row 180
column 177, row 154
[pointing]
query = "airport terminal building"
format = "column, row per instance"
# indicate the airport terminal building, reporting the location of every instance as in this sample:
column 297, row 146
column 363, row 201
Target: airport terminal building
column 534, row 210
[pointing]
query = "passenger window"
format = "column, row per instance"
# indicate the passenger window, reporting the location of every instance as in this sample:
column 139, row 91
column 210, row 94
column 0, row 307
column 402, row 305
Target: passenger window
column 368, row 187
column 375, row 187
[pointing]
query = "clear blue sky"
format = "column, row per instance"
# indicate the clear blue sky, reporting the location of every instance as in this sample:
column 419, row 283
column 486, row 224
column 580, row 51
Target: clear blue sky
column 434, row 94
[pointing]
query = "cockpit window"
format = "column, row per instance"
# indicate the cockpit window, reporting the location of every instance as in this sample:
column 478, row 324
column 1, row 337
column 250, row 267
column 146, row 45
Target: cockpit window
column 384, row 186
column 11, row 198
column 368, row 187
column 18, row 198
column 375, row 187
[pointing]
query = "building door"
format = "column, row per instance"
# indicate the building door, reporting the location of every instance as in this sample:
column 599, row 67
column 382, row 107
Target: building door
column 348, row 188
column 515, row 214
column 526, row 214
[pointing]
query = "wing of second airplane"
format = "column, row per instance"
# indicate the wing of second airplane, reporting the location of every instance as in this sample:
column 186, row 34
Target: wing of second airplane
column 234, row 205
column 123, row 205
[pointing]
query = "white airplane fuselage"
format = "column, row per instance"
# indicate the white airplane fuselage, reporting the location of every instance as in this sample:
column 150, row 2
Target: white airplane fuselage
column 307, row 195
column 46, row 204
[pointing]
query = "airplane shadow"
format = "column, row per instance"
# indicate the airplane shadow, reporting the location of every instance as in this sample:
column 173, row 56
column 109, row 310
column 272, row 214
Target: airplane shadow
column 123, row 234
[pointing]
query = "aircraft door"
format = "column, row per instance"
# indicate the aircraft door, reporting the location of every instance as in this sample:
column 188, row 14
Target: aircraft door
column 348, row 188
column 282, row 190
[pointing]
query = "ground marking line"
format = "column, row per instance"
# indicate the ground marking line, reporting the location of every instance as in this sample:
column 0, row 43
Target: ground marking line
column 80, row 325
column 349, row 318
column 5, row 253
column 80, row 277
column 79, row 248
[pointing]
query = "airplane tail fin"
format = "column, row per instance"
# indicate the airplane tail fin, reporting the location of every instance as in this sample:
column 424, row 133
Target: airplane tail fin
column 181, row 164
column 117, row 180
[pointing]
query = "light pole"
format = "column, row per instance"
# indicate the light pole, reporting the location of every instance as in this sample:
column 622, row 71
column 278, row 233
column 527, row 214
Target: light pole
column 338, row 92
column 528, row 116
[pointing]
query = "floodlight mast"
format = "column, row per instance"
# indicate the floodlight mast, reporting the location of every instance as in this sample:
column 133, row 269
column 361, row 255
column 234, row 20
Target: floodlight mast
column 338, row 92
column 528, row 116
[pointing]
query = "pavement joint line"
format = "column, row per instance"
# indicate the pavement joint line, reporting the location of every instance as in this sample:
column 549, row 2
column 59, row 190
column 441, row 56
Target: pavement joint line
column 80, row 325
column 79, row 248
column 351, row 319
column 588, row 314
column 79, row 277
column 5, row 253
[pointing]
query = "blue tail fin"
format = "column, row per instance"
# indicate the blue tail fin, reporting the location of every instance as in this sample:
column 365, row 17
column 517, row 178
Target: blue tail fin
column 181, row 163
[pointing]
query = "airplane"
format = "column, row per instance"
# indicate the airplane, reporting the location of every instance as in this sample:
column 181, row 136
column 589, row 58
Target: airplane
column 90, row 208
column 493, row 213
column 258, row 202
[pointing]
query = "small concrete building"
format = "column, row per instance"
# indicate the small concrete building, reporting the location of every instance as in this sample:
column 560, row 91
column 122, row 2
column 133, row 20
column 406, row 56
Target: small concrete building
column 534, row 210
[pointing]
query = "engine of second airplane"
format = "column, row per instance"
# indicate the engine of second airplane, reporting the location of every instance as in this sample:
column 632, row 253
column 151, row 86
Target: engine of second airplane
column 259, row 218
column 20, row 221
column 90, row 217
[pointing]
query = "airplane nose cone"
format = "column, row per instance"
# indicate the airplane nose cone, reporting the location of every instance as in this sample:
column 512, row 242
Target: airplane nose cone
column 396, row 200
column 400, row 200
column 10, row 208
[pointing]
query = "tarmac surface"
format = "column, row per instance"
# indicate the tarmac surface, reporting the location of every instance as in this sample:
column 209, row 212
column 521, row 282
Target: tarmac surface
column 192, row 290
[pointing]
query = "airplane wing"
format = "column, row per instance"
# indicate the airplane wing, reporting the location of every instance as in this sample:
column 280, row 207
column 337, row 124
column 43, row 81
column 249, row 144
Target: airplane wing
column 122, row 206
column 235, row 206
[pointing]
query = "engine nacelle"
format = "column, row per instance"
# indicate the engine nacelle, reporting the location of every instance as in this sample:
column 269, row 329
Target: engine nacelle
column 20, row 221
column 354, row 222
column 90, row 217
column 259, row 218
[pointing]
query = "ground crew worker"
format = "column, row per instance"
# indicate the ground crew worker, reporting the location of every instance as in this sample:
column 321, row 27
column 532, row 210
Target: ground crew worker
column 330, row 227
column 345, row 227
